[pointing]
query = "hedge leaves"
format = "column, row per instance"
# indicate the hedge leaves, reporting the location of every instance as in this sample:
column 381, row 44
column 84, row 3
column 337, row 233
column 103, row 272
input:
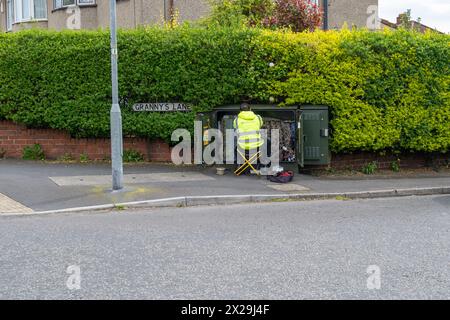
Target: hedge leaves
column 386, row 90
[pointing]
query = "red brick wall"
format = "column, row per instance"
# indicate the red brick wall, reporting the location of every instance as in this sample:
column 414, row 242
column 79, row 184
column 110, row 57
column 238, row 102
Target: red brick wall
column 56, row 143
column 358, row 160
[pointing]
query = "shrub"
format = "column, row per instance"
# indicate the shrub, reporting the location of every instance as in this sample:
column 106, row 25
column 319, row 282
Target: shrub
column 395, row 165
column 370, row 168
column 297, row 15
column 386, row 91
column 61, row 80
column 235, row 13
column 132, row 156
column 2, row 153
column 84, row 157
column 33, row 152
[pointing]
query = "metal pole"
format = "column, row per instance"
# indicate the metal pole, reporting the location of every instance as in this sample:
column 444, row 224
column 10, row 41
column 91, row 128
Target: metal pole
column 116, row 116
column 325, row 14
column 171, row 12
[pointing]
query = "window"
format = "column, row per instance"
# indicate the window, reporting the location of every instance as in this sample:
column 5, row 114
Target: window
column 62, row 3
column 40, row 9
column 65, row 3
column 26, row 10
column 9, row 14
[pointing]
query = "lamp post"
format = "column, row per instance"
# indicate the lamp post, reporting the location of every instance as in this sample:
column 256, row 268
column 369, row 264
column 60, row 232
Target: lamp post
column 115, row 114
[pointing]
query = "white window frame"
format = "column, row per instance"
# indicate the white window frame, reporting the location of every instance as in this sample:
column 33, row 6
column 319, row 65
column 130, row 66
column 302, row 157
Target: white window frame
column 62, row 5
column 9, row 14
column 85, row 2
column 75, row 3
column 18, row 12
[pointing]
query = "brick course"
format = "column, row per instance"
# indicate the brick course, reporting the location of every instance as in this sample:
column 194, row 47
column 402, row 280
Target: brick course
column 356, row 161
column 56, row 143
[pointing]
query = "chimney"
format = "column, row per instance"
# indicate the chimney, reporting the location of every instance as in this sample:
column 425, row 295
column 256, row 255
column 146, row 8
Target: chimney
column 401, row 18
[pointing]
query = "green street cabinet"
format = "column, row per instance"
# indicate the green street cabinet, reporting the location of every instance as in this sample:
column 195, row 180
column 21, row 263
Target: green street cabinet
column 304, row 130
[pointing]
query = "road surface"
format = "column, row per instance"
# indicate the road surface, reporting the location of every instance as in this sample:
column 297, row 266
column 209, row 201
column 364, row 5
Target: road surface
column 396, row 248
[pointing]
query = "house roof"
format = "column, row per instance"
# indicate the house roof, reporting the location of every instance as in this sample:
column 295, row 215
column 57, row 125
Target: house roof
column 415, row 25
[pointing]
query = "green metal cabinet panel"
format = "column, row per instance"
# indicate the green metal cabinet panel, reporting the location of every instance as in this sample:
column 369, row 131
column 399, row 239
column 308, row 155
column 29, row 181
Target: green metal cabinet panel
column 315, row 141
column 312, row 128
column 228, row 122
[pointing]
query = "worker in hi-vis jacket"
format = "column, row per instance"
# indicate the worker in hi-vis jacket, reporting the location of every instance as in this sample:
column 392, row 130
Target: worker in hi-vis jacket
column 248, row 131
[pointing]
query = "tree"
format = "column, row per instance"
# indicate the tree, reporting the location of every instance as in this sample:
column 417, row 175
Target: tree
column 239, row 12
column 297, row 15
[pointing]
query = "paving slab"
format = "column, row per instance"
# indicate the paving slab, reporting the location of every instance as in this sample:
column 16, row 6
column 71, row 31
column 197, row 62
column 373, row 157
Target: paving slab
column 8, row 205
column 137, row 178
column 288, row 187
column 42, row 186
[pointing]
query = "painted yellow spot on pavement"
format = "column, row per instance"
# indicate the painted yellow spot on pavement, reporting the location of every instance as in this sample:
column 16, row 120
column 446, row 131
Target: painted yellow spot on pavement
column 8, row 205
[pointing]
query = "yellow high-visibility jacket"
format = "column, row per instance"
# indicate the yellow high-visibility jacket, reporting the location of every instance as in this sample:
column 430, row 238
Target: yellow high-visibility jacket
column 248, row 126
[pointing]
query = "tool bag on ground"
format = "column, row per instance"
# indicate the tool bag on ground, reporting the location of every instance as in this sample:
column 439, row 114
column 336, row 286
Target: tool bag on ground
column 282, row 177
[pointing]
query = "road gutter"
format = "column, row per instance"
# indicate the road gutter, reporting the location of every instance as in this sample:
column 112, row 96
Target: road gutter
column 190, row 201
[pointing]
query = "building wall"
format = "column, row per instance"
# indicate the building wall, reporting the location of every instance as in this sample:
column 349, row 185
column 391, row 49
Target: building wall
column 354, row 13
column 30, row 25
column 132, row 13
column 192, row 9
column 58, row 19
column 151, row 11
column 2, row 15
column 72, row 17
column 128, row 13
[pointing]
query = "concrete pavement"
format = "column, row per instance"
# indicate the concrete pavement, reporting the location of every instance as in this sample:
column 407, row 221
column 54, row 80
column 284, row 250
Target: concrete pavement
column 41, row 186
column 322, row 249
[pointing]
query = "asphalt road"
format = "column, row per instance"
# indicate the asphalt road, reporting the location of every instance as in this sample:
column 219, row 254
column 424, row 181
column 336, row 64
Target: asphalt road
column 284, row 250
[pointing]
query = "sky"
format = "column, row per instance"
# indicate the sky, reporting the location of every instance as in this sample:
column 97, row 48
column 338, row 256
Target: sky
column 434, row 13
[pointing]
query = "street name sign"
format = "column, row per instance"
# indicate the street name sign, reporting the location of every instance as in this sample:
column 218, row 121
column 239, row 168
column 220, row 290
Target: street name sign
column 161, row 107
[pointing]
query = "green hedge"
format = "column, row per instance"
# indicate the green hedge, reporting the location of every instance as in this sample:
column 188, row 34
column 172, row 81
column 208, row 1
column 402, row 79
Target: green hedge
column 386, row 90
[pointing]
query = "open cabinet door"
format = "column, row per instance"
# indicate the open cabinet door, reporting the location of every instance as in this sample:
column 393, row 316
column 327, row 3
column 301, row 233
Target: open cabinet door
column 300, row 140
column 205, row 120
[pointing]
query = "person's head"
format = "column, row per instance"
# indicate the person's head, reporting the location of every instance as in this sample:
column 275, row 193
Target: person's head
column 245, row 107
